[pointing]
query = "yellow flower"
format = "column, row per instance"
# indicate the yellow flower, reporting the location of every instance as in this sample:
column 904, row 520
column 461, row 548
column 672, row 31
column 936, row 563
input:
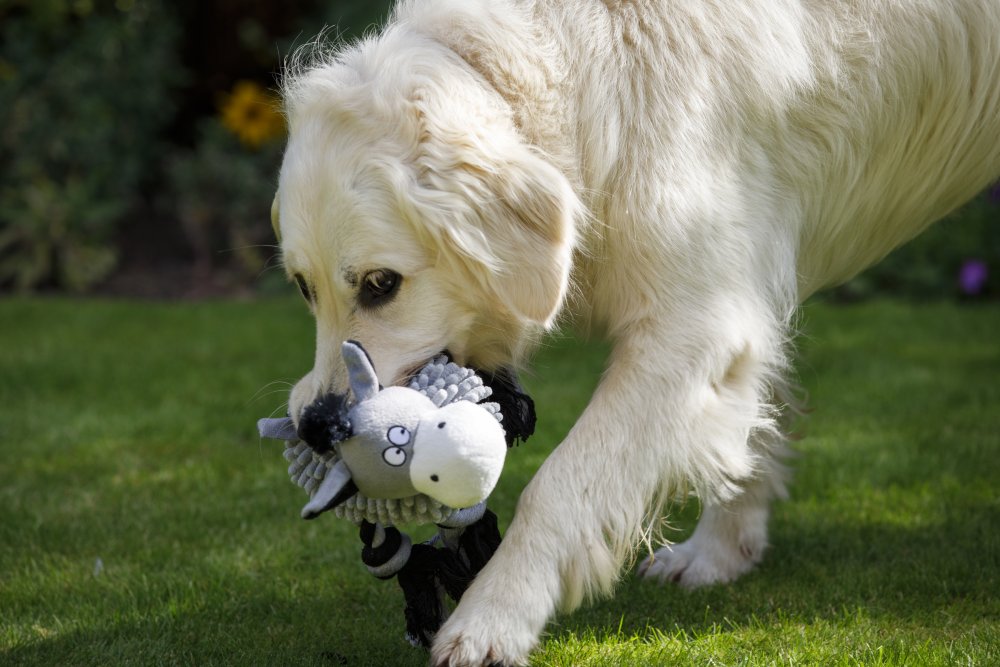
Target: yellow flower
column 251, row 113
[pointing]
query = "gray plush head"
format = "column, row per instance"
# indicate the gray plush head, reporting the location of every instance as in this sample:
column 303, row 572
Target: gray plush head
column 380, row 454
column 402, row 444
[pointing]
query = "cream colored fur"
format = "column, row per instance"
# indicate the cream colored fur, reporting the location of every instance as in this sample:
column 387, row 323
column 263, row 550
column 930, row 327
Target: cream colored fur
column 677, row 175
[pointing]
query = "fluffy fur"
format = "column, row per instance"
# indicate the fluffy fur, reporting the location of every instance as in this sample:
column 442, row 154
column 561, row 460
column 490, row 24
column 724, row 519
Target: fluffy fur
column 676, row 175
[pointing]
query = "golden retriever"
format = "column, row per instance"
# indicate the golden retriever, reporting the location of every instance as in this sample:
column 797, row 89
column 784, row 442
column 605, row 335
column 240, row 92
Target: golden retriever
column 678, row 175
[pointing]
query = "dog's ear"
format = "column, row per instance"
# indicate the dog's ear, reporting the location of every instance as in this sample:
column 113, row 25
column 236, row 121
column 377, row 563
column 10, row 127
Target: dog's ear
column 530, row 226
column 517, row 231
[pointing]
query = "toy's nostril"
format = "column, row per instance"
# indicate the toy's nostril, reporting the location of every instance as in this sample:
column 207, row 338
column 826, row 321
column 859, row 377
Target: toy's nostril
column 441, row 425
column 434, row 478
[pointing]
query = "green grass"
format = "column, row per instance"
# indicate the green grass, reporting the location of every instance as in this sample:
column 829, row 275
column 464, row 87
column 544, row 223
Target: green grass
column 127, row 435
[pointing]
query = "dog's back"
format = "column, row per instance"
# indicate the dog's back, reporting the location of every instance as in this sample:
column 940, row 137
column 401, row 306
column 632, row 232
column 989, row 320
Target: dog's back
column 858, row 123
column 902, row 128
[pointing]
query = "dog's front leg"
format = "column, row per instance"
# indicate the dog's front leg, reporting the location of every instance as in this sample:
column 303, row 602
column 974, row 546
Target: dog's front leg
column 657, row 419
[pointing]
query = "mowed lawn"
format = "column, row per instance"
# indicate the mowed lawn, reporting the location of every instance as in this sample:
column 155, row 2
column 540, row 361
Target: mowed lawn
column 142, row 521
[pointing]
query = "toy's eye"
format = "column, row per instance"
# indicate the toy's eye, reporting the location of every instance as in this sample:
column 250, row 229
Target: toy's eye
column 398, row 435
column 394, row 456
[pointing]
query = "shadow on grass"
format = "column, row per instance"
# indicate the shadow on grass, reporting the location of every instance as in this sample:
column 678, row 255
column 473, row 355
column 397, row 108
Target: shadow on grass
column 259, row 628
column 930, row 577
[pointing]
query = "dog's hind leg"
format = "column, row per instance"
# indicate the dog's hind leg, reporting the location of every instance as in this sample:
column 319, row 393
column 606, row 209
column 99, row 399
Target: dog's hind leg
column 730, row 537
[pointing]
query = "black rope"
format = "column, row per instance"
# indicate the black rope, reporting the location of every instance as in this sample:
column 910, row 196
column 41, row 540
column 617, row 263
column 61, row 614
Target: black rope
column 431, row 572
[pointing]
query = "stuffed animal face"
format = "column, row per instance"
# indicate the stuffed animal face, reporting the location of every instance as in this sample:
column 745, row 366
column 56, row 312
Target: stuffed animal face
column 381, row 451
column 460, row 454
column 401, row 444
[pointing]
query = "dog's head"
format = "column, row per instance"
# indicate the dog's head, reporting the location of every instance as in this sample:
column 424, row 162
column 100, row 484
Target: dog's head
column 412, row 215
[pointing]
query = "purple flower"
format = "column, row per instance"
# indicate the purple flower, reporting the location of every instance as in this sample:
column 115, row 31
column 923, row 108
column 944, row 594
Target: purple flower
column 972, row 276
column 994, row 193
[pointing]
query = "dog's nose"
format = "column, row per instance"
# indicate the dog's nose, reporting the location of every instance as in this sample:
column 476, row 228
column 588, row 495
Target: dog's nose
column 324, row 422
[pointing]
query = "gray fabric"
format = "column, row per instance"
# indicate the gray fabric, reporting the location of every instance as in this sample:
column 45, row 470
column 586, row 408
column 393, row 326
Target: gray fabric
column 444, row 382
column 465, row 516
column 361, row 373
column 396, row 563
column 280, row 428
column 337, row 477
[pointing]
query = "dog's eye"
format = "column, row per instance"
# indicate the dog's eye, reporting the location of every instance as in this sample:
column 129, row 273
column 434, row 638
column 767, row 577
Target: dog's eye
column 303, row 287
column 378, row 287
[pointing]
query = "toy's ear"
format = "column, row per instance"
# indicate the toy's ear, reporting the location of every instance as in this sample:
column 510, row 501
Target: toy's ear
column 336, row 487
column 360, row 371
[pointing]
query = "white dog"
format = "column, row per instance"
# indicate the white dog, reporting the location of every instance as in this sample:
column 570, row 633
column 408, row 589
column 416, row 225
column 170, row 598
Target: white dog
column 678, row 174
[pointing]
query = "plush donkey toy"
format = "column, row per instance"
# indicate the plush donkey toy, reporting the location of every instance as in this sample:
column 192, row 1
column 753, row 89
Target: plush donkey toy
column 430, row 452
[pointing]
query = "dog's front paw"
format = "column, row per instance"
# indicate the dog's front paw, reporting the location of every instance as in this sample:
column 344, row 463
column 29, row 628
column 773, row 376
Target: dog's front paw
column 702, row 562
column 480, row 641
column 485, row 630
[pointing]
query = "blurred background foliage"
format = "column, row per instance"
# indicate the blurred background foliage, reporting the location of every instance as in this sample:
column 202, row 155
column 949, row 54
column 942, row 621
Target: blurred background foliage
column 140, row 142
column 140, row 139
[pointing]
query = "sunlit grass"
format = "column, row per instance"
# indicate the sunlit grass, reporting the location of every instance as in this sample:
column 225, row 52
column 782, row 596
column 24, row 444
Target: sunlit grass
column 143, row 522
